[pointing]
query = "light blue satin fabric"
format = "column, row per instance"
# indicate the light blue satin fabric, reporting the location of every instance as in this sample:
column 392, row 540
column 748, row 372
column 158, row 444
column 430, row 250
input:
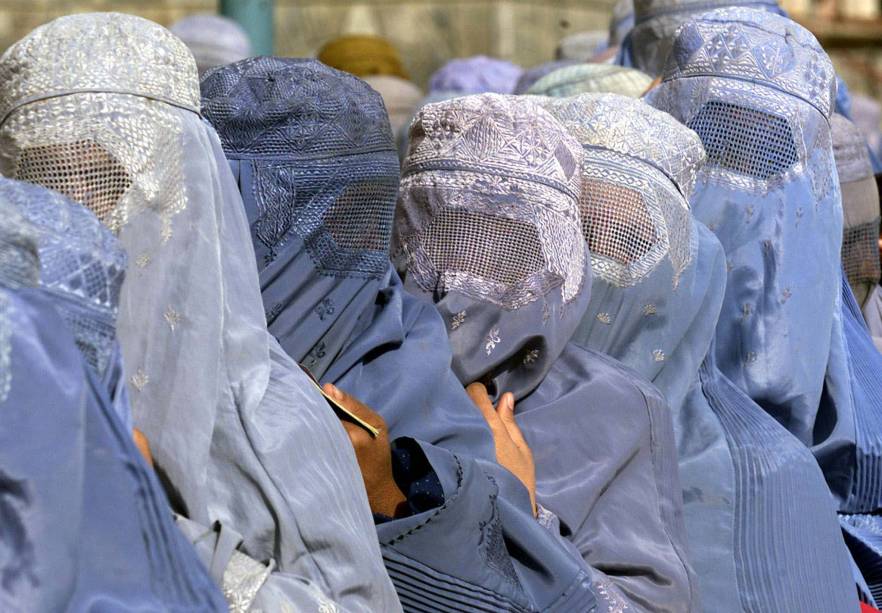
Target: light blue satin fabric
column 742, row 473
column 85, row 524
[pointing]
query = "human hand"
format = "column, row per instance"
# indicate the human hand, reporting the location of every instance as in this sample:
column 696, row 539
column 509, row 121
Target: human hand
column 143, row 445
column 374, row 454
column 512, row 451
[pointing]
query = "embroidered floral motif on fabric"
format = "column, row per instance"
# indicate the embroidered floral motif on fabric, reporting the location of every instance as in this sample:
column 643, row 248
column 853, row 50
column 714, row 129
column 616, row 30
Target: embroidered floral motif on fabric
column 325, row 308
column 140, row 379
column 491, row 340
column 457, row 320
column 172, row 318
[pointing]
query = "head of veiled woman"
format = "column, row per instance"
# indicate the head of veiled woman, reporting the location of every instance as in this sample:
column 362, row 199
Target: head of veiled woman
column 488, row 227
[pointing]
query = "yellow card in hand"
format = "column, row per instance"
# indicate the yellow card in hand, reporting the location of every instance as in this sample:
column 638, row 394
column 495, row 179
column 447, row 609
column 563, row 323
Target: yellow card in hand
column 341, row 411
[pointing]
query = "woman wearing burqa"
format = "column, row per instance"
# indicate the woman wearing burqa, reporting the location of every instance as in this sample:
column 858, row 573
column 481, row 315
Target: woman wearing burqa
column 84, row 521
column 488, row 225
column 317, row 167
column 860, row 232
column 105, row 109
column 788, row 335
column 656, row 295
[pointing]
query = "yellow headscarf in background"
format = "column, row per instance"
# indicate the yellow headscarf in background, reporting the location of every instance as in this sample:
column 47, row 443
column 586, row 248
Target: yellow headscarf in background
column 363, row 55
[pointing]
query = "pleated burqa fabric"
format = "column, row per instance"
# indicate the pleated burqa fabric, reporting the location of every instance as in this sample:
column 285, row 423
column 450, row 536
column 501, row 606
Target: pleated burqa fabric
column 488, row 226
column 657, row 292
column 317, row 167
column 85, row 523
column 105, row 109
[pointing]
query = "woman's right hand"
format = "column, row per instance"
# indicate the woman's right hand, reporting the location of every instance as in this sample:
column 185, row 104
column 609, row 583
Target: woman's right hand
column 512, row 451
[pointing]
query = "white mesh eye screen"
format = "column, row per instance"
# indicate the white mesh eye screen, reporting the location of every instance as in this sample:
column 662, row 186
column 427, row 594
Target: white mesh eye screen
column 625, row 217
column 499, row 249
column 82, row 170
column 615, row 222
column 745, row 140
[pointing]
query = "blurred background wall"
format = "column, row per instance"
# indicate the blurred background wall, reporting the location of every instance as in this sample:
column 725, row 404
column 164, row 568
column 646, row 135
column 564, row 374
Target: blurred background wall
column 428, row 32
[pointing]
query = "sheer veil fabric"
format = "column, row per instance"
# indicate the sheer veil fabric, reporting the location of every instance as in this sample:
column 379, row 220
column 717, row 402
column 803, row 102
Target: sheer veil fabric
column 105, row 109
column 489, row 228
column 657, row 292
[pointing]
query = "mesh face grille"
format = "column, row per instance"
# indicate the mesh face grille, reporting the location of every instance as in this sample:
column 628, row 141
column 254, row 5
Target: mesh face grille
column 745, row 140
column 82, row 170
column 860, row 252
column 615, row 222
column 361, row 218
column 480, row 244
column 93, row 336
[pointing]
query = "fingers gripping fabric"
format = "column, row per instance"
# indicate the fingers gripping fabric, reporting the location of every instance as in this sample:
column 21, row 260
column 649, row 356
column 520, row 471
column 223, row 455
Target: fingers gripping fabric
column 639, row 166
column 489, row 175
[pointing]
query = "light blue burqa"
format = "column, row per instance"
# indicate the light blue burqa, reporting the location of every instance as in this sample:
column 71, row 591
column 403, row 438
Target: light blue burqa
column 657, row 293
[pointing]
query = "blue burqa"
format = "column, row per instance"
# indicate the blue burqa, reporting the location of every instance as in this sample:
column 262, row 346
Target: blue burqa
column 84, row 523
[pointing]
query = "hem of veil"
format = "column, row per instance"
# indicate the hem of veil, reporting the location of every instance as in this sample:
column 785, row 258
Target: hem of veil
column 764, row 83
column 98, row 90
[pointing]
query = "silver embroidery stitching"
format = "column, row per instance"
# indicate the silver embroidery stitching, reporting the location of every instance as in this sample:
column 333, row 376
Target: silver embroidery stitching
column 243, row 578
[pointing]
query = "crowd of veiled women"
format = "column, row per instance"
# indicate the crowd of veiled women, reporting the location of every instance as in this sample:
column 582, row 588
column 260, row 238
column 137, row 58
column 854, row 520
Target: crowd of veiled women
column 268, row 343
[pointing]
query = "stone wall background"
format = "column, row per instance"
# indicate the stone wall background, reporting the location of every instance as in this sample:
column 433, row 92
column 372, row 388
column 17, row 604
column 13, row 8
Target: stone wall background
column 428, row 32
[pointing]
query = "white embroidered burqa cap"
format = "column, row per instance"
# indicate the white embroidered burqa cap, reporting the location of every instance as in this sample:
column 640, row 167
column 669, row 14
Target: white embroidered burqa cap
column 639, row 168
